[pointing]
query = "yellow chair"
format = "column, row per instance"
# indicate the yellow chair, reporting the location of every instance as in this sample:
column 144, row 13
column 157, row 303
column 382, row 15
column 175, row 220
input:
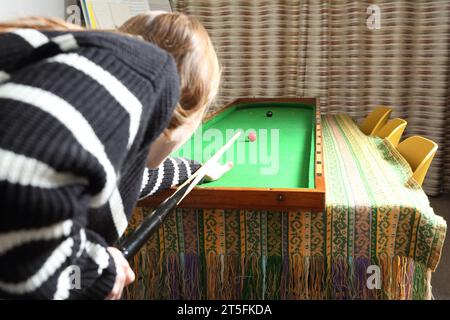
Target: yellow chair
column 392, row 131
column 375, row 120
column 419, row 152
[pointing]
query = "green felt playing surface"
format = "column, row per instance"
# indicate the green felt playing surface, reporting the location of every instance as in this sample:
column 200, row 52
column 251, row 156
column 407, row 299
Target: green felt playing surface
column 282, row 155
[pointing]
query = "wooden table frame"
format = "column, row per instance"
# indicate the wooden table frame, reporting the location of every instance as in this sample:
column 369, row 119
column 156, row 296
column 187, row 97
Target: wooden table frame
column 258, row 198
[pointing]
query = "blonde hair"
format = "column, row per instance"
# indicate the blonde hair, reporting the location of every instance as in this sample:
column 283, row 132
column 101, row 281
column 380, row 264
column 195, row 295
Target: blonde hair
column 182, row 36
column 188, row 42
column 39, row 23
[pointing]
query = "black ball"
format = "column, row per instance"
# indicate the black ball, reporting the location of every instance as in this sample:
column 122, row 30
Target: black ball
column 269, row 114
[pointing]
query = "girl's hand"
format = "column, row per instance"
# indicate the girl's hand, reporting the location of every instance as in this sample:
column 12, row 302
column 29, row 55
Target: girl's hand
column 124, row 274
column 217, row 170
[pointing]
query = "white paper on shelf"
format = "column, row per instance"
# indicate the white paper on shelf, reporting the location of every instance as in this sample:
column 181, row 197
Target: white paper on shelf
column 110, row 14
column 120, row 13
column 163, row 5
column 136, row 6
column 102, row 15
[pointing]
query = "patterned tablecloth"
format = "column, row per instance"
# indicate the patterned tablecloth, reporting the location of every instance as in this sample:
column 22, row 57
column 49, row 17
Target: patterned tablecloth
column 378, row 225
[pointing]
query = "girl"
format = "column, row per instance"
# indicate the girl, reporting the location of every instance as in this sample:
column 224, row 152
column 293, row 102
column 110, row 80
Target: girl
column 81, row 114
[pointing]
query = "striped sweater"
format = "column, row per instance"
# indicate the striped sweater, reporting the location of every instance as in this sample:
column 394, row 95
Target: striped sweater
column 78, row 112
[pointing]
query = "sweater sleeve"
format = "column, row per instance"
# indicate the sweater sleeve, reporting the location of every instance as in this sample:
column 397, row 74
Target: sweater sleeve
column 171, row 172
column 67, row 124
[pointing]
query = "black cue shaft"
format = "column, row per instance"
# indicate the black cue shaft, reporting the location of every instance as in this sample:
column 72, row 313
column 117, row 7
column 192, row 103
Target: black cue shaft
column 133, row 242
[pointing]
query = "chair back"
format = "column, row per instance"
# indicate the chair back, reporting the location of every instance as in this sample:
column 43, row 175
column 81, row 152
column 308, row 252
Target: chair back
column 392, row 131
column 375, row 120
column 419, row 152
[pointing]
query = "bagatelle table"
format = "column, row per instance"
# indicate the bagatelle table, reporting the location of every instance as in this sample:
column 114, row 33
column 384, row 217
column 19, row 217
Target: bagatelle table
column 282, row 169
column 377, row 223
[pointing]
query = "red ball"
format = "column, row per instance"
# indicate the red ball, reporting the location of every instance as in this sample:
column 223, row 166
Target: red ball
column 252, row 136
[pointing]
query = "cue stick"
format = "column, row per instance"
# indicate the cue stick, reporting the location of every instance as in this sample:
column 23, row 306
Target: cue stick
column 132, row 243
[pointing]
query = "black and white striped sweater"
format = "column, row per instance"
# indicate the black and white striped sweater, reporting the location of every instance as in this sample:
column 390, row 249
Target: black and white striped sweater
column 78, row 112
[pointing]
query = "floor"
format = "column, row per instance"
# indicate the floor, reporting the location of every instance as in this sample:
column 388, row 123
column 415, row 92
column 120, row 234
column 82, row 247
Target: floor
column 441, row 277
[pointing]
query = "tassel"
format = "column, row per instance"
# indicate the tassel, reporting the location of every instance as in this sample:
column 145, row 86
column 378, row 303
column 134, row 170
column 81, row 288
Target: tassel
column 273, row 277
column 420, row 281
column 295, row 276
column 252, row 284
column 316, row 278
column 191, row 283
column 172, row 277
column 150, row 274
column 231, row 278
column 284, row 283
column 361, row 291
column 385, row 277
column 339, row 278
column 213, row 276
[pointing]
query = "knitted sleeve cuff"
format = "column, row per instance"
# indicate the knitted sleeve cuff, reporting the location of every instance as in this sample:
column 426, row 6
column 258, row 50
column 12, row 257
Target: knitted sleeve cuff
column 172, row 172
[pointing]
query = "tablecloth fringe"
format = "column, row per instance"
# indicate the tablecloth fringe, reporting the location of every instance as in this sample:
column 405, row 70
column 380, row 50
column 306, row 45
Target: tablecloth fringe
column 229, row 277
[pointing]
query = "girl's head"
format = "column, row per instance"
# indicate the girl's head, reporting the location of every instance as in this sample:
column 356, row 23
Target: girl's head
column 198, row 67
